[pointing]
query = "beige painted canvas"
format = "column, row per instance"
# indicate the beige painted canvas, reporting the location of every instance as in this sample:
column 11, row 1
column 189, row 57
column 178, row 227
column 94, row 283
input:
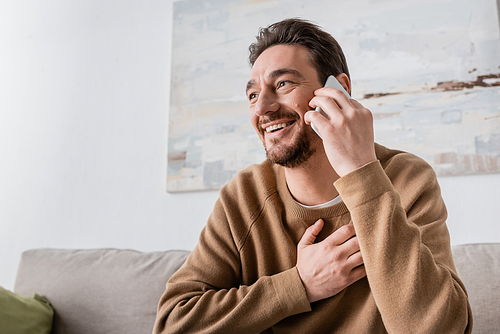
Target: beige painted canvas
column 429, row 70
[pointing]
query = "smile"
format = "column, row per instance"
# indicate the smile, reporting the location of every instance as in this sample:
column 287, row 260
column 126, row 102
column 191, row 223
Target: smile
column 277, row 127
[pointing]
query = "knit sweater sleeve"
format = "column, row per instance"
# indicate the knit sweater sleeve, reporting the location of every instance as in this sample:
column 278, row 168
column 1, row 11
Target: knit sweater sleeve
column 206, row 295
column 399, row 218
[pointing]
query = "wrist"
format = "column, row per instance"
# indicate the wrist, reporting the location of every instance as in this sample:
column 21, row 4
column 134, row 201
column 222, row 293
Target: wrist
column 349, row 168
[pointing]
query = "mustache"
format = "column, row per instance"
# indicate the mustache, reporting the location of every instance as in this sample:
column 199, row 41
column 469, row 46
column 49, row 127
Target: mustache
column 278, row 115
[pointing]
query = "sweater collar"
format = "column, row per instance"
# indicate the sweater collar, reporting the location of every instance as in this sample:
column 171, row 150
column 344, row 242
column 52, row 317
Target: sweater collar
column 299, row 211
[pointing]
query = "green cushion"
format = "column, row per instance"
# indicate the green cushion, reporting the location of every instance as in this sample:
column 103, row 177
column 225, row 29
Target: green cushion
column 26, row 315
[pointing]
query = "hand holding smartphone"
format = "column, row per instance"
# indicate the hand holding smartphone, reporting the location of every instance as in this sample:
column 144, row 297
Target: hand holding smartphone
column 333, row 83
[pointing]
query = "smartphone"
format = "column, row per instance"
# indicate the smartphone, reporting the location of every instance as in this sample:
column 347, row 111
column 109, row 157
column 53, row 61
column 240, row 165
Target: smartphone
column 333, row 83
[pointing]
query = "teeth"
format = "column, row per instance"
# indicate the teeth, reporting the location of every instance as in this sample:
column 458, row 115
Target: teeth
column 276, row 127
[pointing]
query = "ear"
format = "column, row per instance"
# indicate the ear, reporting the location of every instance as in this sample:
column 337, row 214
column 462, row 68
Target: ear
column 343, row 79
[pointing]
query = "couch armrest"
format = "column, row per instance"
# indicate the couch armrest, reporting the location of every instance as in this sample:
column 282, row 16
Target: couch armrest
column 478, row 266
column 100, row 290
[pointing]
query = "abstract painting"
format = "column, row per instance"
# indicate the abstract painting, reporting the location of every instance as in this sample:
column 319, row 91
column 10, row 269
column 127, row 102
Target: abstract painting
column 429, row 70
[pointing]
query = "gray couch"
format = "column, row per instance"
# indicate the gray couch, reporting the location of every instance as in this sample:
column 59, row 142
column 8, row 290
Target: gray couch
column 99, row 291
column 117, row 291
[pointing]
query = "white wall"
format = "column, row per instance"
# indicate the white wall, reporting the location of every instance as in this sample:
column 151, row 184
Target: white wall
column 84, row 91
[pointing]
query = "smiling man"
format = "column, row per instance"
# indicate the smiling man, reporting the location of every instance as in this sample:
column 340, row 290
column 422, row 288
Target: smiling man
column 332, row 235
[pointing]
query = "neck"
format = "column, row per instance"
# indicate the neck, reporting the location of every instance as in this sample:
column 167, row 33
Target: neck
column 312, row 182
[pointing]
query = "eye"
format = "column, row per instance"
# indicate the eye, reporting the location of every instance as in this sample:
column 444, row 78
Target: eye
column 252, row 96
column 283, row 83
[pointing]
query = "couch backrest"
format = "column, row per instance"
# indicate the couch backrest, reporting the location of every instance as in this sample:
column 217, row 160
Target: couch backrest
column 478, row 266
column 99, row 291
column 117, row 291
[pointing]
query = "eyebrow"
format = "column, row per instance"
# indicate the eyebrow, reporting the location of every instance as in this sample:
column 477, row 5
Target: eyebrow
column 276, row 73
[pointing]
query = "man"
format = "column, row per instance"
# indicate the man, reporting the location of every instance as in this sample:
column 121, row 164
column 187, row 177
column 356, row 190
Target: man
column 332, row 235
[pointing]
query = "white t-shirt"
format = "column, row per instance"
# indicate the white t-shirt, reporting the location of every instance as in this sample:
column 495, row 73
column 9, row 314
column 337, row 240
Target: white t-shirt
column 336, row 200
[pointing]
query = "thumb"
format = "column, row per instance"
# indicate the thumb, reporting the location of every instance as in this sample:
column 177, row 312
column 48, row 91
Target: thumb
column 307, row 117
column 310, row 234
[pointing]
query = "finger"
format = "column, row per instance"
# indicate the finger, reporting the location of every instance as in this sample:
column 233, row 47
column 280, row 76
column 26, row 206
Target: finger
column 357, row 273
column 310, row 234
column 349, row 247
column 356, row 104
column 334, row 93
column 314, row 116
column 338, row 114
column 355, row 260
column 325, row 103
column 341, row 235
column 366, row 113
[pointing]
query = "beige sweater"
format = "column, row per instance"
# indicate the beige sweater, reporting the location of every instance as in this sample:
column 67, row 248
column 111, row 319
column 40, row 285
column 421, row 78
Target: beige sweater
column 241, row 277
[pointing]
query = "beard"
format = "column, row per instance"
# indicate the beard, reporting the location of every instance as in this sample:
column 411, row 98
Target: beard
column 293, row 155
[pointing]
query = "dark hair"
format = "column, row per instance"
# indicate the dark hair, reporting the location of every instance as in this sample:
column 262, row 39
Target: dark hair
column 325, row 53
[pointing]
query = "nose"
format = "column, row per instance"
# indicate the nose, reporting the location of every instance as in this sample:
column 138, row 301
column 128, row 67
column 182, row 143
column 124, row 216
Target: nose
column 267, row 102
